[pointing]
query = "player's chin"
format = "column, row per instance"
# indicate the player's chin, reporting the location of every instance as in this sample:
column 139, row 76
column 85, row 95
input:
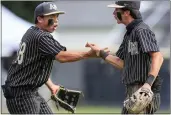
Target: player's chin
column 118, row 21
column 52, row 29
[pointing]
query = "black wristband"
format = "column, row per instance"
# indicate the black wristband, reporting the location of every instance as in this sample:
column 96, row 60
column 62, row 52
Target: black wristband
column 150, row 80
column 103, row 54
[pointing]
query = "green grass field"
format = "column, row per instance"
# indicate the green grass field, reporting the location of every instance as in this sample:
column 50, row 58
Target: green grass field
column 95, row 109
column 100, row 109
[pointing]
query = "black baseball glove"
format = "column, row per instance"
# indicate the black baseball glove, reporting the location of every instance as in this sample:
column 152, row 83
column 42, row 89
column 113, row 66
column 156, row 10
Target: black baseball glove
column 66, row 99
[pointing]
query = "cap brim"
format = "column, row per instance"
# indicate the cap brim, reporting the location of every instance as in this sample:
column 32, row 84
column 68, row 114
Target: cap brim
column 57, row 12
column 114, row 6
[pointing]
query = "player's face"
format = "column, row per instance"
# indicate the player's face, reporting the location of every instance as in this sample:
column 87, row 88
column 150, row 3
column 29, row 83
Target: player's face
column 52, row 27
column 115, row 15
column 123, row 16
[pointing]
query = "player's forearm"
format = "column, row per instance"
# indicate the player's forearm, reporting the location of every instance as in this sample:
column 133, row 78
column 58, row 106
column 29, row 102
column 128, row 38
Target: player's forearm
column 49, row 84
column 71, row 56
column 115, row 61
column 157, row 60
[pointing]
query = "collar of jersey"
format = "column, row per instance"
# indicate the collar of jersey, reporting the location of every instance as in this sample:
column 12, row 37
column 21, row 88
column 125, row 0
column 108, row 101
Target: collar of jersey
column 134, row 23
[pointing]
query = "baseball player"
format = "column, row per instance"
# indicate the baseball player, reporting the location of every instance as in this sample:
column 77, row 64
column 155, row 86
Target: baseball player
column 138, row 56
column 32, row 67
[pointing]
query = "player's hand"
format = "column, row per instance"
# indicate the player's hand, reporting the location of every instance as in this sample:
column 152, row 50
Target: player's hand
column 92, row 54
column 54, row 89
column 96, row 48
column 146, row 86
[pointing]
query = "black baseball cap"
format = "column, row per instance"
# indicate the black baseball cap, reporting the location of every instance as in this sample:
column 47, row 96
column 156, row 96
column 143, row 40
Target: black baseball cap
column 45, row 9
column 126, row 4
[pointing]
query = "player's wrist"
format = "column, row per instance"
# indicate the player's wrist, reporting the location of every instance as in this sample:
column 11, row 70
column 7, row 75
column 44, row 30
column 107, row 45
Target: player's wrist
column 103, row 54
column 98, row 53
column 50, row 86
column 85, row 55
column 150, row 80
column 89, row 54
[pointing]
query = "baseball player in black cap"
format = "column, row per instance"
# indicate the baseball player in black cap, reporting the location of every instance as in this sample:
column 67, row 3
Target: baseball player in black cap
column 33, row 64
column 138, row 56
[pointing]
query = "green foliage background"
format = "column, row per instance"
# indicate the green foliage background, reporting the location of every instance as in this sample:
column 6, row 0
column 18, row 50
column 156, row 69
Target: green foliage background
column 23, row 9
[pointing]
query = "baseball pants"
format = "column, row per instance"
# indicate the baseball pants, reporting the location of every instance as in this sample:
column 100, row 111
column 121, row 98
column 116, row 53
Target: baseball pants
column 153, row 106
column 22, row 101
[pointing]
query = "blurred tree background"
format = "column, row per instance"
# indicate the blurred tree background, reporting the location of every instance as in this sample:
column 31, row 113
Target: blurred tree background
column 21, row 8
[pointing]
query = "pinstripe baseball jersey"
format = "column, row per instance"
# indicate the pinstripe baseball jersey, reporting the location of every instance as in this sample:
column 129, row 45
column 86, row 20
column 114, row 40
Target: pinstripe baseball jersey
column 34, row 60
column 138, row 41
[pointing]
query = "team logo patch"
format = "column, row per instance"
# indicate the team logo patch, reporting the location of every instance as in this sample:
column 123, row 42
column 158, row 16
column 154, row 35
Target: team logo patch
column 133, row 47
column 53, row 6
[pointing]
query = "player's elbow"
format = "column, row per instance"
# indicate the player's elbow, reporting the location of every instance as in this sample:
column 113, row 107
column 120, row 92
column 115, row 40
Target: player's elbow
column 161, row 58
column 158, row 57
column 62, row 61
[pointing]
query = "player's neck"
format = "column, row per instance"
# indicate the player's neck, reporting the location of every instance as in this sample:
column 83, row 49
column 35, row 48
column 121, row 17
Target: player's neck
column 128, row 21
column 38, row 26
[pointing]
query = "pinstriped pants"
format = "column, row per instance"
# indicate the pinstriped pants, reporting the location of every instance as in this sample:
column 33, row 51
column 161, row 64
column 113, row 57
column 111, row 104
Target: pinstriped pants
column 28, row 103
column 153, row 106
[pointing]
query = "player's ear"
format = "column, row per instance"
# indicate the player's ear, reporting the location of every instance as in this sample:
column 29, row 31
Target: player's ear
column 127, row 12
column 40, row 19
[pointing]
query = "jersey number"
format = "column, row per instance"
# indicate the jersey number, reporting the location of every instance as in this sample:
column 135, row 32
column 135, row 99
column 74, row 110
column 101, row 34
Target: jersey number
column 21, row 53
